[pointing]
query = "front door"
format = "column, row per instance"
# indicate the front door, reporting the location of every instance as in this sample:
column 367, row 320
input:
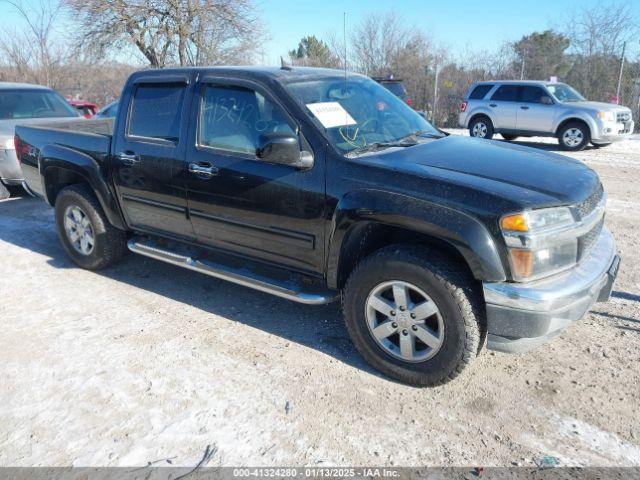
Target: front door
column 149, row 158
column 240, row 203
column 534, row 115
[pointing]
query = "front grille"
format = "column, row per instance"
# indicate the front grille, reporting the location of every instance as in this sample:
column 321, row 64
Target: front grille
column 586, row 207
column 623, row 117
column 586, row 241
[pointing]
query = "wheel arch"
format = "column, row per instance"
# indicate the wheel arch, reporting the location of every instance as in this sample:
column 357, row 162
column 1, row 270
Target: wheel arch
column 366, row 221
column 477, row 114
column 574, row 118
column 61, row 167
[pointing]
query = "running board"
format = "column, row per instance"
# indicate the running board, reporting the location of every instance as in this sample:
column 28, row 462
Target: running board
column 289, row 288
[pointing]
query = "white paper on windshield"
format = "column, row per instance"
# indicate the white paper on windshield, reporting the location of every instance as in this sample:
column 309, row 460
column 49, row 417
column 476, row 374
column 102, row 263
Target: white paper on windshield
column 331, row 114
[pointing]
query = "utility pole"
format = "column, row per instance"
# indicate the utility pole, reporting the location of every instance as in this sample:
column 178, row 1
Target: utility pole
column 435, row 93
column 624, row 47
column 522, row 69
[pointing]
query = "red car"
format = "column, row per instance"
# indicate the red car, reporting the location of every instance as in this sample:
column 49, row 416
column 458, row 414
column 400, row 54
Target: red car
column 87, row 109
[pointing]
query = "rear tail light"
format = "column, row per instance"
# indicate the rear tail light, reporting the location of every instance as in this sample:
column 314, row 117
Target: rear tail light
column 463, row 106
column 409, row 102
column 21, row 148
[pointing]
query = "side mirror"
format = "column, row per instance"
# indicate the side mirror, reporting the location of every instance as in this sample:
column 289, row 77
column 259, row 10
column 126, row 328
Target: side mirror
column 283, row 149
column 546, row 100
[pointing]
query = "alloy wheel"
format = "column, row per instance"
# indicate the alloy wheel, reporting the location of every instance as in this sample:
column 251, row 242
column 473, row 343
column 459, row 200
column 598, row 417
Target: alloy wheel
column 404, row 321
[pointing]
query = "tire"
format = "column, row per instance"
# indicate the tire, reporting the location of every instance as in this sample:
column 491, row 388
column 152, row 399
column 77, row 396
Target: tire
column 109, row 244
column 459, row 321
column 574, row 136
column 600, row 145
column 481, row 127
column 508, row 138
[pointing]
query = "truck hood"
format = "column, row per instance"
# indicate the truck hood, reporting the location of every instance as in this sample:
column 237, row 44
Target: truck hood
column 8, row 127
column 527, row 175
column 589, row 105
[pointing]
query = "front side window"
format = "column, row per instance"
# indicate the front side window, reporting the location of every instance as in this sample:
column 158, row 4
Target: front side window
column 532, row 95
column 156, row 111
column 357, row 113
column 506, row 93
column 564, row 93
column 17, row 104
column 234, row 118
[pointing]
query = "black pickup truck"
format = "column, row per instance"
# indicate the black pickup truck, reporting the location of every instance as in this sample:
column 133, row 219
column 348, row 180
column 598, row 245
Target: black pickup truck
column 314, row 185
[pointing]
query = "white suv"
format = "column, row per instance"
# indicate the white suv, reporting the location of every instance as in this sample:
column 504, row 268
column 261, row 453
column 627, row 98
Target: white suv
column 531, row 108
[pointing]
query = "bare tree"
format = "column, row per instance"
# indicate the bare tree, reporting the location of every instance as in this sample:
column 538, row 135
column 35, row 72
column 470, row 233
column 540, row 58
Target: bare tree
column 167, row 32
column 33, row 52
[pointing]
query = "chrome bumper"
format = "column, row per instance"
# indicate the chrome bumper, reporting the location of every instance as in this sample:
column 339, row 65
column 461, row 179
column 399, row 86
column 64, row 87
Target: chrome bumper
column 521, row 316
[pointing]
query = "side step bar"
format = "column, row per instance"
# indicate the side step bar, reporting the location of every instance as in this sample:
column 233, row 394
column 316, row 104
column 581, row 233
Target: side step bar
column 285, row 288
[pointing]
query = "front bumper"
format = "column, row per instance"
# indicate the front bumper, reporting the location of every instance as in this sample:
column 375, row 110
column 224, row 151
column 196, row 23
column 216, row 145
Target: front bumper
column 521, row 316
column 608, row 132
column 10, row 171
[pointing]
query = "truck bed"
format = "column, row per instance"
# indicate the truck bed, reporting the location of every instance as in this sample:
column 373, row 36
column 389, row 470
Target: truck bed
column 91, row 138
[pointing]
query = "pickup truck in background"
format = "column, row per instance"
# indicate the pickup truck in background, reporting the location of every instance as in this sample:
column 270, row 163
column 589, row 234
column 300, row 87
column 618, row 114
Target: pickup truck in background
column 314, row 187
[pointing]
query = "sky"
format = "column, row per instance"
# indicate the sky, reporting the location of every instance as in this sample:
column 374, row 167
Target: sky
column 458, row 25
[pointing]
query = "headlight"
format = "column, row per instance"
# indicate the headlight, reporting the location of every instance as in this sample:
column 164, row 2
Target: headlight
column 607, row 116
column 537, row 242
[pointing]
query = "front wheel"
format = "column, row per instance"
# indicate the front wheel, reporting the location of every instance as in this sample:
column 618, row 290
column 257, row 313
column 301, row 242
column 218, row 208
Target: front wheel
column 574, row 136
column 481, row 127
column 84, row 230
column 600, row 145
column 508, row 138
column 414, row 314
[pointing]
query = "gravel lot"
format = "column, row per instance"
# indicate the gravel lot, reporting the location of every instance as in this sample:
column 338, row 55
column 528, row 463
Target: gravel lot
column 145, row 362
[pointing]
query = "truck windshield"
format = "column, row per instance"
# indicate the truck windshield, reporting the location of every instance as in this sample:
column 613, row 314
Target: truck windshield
column 564, row 93
column 358, row 113
column 17, row 104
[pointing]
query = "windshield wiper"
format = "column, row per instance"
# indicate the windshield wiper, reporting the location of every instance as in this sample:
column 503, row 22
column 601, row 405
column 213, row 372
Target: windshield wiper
column 375, row 146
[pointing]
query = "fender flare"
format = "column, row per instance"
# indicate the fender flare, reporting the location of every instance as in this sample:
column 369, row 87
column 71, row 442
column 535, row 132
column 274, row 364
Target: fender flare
column 458, row 229
column 480, row 111
column 85, row 166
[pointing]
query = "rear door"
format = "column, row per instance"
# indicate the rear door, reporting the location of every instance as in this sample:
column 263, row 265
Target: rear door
column 149, row 156
column 504, row 107
column 244, row 205
column 532, row 114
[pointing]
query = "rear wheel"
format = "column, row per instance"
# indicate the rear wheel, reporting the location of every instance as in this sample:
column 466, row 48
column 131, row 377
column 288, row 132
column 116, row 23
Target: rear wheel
column 481, row 127
column 574, row 136
column 414, row 314
column 508, row 137
column 84, row 231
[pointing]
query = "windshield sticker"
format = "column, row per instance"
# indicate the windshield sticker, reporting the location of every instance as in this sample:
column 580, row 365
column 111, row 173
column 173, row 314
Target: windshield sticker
column 331, row 114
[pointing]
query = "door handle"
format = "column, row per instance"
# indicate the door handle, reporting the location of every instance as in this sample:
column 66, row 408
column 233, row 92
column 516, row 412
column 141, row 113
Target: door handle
column 493, row 105
column 523, row 107
column 204, row 169
column 128, row 159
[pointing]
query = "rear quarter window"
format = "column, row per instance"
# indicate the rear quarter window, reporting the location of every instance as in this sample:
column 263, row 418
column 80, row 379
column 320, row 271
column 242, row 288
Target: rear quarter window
column 479, row 92
column 156, row 111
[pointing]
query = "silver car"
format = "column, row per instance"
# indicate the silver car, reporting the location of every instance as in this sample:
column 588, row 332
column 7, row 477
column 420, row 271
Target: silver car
column 533, row 108
column 23, row 103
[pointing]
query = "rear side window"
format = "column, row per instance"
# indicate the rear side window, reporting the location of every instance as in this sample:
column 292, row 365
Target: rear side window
column 479, row 92
column 157, row 110
column 506, row 93
column 532, row 95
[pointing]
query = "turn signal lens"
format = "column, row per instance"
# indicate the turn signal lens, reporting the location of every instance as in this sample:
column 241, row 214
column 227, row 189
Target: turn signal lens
column 516, row 223
column 521, row 262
